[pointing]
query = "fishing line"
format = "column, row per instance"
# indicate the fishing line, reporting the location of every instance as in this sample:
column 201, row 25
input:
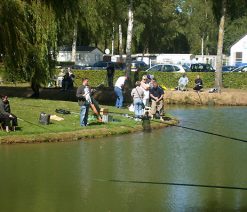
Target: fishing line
column 203, row 131
column 188, row 128
column 37, row 125
column 173, row 184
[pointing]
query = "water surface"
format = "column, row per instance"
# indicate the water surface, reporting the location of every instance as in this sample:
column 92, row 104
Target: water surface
column 77, row 176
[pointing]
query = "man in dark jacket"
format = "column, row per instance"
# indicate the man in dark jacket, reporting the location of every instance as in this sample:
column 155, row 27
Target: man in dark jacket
column 199, row 83
column 83, row 103
column 5, row 116
column 157, row 105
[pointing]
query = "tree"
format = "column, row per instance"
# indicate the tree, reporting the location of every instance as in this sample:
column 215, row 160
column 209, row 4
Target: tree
column 200, row 26
column 29, row 41
column 233, row 11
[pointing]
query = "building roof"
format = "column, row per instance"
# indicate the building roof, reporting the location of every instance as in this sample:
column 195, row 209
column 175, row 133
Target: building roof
column 238, row 40
column 78, row 48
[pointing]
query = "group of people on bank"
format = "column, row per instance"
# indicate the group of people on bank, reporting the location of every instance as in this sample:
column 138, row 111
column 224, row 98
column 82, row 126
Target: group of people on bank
column 146, row 93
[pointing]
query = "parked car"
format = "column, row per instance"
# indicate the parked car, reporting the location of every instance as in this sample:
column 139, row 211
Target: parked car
column 167, row 68
column 240, row 69
column 201, row 67
column 228, row 68
column 186, row 67
column 102, row 65
column 138, row 65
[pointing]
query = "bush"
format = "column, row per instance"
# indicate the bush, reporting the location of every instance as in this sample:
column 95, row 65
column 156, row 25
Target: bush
column 170, row 80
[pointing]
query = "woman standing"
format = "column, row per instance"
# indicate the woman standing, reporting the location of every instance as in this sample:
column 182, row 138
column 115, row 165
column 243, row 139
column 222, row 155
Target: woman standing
column 137, row 94
column 145, row 87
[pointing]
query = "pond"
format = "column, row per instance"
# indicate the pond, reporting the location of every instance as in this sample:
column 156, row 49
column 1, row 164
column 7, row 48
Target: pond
column 172, row 169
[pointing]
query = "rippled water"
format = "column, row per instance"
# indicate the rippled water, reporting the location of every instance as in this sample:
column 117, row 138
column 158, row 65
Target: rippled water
column 77, row 176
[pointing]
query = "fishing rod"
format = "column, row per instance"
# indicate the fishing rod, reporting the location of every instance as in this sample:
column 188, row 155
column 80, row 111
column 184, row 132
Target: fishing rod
column 173, row 184
column 188, row 128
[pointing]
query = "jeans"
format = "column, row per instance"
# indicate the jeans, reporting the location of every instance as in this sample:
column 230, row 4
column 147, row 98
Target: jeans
column 84, row 114
column 138, row 107
column 119, row 94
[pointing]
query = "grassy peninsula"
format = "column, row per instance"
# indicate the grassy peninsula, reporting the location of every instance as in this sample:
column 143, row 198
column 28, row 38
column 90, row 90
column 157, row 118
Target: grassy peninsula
column 30, row 131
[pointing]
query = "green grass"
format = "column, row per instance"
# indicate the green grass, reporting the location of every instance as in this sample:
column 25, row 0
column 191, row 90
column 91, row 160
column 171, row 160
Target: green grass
column 30, row 130
column 28, row 111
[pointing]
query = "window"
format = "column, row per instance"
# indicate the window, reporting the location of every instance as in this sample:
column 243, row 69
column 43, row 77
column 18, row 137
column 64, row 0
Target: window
column 176, row 68
column 239, row 56
column 168, row 68
column 81, row 56
column 156, row 68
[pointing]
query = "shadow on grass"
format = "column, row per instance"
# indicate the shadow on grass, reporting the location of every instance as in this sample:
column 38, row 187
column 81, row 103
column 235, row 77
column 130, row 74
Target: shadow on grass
column 103, row 95
column 45, row 93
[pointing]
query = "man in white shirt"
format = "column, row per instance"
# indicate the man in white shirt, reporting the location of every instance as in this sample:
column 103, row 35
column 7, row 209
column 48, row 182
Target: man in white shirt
column 118, row 89
column 183, row 82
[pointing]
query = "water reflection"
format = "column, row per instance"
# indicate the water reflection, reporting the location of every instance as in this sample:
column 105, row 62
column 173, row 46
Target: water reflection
column 74, row 176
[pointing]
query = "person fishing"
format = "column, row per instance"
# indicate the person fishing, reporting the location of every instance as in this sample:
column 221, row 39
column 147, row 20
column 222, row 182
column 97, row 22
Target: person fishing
column 8, row 119
column 85, row 101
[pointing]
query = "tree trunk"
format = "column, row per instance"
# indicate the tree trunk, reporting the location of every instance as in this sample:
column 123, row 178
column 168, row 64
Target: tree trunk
column 129, row 38
column 120, row 42
column 202, row 50
column 218, row 74
column 112, row 40
column 35, row 87
column 73, row 54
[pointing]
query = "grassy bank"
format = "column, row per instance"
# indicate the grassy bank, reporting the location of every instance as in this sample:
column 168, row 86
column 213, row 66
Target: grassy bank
column 29, row 130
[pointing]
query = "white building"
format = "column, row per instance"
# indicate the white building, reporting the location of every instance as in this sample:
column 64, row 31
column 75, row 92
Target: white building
column 175, row 58
column 238, row 53
column 85, row 55
column 152, row 59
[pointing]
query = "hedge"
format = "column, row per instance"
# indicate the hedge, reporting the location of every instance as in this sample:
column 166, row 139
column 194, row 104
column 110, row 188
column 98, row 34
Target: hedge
column 97, row 77
column 170, row 80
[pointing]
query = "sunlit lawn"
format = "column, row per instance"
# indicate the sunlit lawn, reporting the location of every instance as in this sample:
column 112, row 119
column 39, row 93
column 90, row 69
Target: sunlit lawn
column 28, row 112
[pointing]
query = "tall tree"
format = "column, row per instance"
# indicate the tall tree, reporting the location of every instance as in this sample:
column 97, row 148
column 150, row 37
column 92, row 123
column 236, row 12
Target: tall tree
column 218, row 73
column 129, row 38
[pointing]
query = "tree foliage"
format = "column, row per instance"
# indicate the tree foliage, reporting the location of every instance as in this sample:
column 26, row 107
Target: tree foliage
column 28, row 40
column 30, row 31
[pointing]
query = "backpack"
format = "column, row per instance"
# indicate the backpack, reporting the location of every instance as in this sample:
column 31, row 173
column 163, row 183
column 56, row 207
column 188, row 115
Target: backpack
column 62, row 111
